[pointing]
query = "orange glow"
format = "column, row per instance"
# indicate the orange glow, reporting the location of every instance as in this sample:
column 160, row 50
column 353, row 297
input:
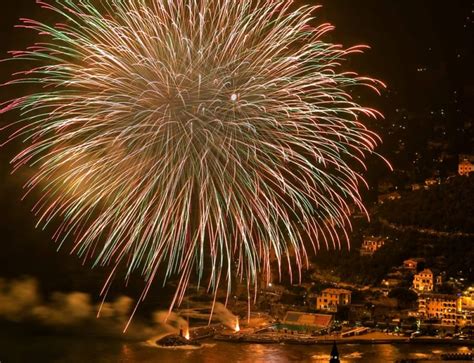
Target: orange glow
column 237, row 326
column 186, row 333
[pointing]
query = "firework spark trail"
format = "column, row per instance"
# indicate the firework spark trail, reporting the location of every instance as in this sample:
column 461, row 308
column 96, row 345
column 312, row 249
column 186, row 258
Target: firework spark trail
column 176, row 134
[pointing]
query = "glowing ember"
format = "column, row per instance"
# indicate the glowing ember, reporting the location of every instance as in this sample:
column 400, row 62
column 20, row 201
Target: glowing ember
column 186, row 333
column 237, row 326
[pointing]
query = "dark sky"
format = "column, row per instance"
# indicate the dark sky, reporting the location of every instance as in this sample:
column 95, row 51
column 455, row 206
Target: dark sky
column 405, row 36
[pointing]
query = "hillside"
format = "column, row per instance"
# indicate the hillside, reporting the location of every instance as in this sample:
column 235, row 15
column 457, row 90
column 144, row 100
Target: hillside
column 448, row 207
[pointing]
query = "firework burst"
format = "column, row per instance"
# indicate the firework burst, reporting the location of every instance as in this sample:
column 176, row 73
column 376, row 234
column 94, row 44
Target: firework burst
column 170, row 136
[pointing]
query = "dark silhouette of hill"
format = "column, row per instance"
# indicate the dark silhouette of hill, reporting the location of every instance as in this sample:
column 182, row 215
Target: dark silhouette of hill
column 448, row 207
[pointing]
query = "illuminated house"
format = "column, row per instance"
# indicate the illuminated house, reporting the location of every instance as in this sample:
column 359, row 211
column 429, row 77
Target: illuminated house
column 424, row 281
column 411, row 264
column 465, row 307
column 438, row 306
column 466, row 300
column 450, row 310
column 370, row 245
column 466, row 164
column 330, row 299
column 464, row 318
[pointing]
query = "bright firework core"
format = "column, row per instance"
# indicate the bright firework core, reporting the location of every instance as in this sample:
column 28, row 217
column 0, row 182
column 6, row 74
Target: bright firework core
column 175, row 136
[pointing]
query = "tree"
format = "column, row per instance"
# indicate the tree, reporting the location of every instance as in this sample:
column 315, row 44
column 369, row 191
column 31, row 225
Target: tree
column 405, row 297
column 446, row 289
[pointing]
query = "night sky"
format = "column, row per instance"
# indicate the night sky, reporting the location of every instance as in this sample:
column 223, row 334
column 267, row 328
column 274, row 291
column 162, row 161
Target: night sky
column 421, row 49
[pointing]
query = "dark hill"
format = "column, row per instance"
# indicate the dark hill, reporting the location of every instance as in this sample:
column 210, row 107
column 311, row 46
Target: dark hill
column 448, row 207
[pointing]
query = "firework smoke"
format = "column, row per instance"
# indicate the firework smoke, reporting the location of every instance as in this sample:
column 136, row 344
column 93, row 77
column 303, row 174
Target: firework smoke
column 22, row 302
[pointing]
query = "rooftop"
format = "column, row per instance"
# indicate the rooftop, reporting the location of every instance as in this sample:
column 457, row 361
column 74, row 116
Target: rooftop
column 439, row 296
column 426, row 271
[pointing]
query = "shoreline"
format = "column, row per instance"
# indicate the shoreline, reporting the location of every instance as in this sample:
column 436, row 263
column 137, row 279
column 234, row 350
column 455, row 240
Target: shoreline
column 365, row 340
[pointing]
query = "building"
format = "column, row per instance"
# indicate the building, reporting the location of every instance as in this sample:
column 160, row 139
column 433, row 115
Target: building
column 330, row 299
column 410, row 264
column 466, row 164
column 298, row 321
column 371, row 244
column 465, row 318
column 450, row 310
column 440, row 307
column 465, row 307
column 466, row 300
column 424, row 281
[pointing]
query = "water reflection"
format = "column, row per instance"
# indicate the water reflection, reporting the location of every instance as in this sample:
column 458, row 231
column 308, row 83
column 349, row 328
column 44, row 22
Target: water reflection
column 72, row 350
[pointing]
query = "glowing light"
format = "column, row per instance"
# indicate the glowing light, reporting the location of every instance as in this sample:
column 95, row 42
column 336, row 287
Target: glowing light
column 186, row 333
column 237, row 325
column 143, row 158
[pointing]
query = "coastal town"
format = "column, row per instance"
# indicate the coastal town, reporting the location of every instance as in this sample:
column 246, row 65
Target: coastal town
column 417, row 300
column 249, row 181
